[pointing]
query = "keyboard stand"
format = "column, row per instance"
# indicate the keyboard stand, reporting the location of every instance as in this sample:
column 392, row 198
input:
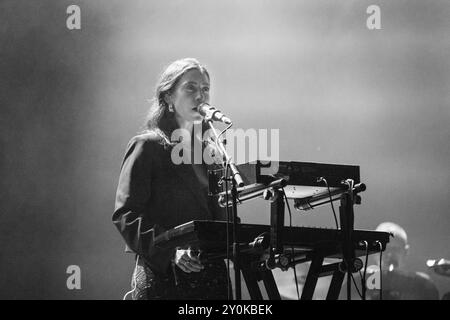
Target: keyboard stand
column 252, row 275
column 317, row 270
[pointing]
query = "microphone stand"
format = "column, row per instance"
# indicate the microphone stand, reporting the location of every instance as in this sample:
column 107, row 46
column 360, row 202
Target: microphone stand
column 236, row 181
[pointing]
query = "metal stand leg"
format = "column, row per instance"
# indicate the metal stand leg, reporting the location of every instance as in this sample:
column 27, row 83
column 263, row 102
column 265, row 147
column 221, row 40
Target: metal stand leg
column 311, row 278
column 251, row 280
column 270, row 285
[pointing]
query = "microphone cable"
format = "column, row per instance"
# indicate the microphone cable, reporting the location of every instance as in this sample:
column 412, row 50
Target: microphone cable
column 331, row 200
column 381, row 274
column 217, row 143
column 356, row 286
column 228, row 233
column 133, row 280
column 363, row 276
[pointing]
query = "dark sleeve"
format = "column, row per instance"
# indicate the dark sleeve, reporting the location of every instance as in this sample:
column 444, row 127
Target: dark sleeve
column 130, row 216
column 429, row 290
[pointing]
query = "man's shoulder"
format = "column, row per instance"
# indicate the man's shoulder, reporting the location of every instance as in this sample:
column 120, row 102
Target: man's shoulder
column 423, row 276
column 425, row 279
column 427, row 285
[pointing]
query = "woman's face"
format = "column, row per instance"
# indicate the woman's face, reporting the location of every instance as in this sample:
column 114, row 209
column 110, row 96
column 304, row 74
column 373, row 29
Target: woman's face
column 191, row 90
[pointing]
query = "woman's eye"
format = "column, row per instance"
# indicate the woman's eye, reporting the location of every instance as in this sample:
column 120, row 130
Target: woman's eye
column 206, row 89
column 190, row 88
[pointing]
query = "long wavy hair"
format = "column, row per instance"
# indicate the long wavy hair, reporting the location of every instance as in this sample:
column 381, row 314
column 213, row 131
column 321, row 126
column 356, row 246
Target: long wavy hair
column 159, row 119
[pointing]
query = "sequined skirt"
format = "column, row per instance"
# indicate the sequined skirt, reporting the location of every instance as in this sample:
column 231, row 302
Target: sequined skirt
column 212, row 283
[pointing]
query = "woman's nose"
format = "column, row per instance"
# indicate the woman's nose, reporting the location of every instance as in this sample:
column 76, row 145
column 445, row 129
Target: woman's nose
column 201, row 96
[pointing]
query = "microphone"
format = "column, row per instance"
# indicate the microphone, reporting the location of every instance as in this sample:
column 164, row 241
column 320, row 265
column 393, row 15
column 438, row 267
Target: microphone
column 211, row 113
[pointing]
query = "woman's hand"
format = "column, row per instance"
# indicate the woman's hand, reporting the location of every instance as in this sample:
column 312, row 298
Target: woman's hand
column 187, row 261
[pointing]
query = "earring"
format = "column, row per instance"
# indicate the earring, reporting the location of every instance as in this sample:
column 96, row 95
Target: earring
column 171, row 108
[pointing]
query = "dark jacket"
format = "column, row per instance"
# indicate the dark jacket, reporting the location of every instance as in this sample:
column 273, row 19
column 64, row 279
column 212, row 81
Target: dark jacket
column 154, row 195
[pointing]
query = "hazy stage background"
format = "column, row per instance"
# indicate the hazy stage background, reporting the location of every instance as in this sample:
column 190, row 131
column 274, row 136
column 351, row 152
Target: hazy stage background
column 339, row 93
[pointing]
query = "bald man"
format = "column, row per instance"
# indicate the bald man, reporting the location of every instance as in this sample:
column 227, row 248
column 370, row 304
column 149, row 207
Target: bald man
column 399, row 284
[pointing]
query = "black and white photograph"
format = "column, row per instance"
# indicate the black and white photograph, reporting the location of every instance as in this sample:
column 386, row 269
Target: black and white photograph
column 225, row 150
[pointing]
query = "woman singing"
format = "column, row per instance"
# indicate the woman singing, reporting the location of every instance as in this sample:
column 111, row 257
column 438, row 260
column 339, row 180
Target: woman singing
column 155, row 194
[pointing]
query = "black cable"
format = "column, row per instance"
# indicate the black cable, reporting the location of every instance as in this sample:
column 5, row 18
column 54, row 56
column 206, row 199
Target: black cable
column 356, row 286
column 331, row 200
column 224, row 130
column 292, row 248
column 363, row 281
column 362, row 284
column 217, row 142
column 381, row 273
column 296, row 282
column 228, row 238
